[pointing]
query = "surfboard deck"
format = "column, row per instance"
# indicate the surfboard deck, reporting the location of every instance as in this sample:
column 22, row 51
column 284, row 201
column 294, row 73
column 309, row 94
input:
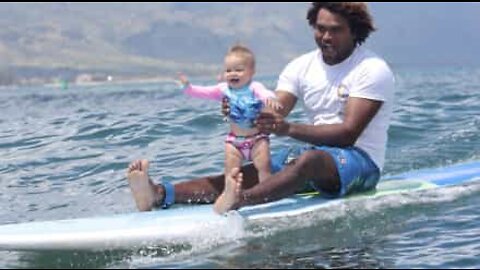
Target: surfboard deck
column 184, row 222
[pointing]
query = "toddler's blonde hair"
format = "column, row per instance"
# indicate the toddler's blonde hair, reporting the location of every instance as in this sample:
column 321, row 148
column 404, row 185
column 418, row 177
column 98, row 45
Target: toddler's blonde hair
column 242, row 51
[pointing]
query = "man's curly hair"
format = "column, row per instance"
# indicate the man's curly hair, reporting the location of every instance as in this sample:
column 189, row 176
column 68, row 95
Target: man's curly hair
column 356, row 13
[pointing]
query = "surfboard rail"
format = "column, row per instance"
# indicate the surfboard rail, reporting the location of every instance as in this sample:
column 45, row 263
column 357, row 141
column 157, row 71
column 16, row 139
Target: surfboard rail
column 134, row 230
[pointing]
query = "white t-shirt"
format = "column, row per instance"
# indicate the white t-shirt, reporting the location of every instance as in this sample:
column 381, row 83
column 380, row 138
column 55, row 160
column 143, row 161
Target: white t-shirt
column 325, row 89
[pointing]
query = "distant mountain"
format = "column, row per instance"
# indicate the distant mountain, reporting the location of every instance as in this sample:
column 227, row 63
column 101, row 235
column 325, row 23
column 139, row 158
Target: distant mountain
column 163, row 38
column 150, row 38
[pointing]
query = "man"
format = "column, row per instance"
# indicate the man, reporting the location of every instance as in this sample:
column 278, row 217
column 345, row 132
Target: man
column 347, row 92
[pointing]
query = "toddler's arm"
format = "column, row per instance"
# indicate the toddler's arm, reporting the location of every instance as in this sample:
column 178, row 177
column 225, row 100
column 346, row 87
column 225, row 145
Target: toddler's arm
column 214, row 92
column 266, row 96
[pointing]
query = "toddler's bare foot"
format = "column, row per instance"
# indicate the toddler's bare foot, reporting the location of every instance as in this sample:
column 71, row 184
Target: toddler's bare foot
column 230, row 196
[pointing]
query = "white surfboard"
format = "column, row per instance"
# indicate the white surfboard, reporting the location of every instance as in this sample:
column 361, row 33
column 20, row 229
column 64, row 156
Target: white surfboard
column 184, row 222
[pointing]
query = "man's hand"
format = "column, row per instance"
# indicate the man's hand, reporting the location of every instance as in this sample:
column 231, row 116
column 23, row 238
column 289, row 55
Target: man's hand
column 225, row 109
column 272, row 122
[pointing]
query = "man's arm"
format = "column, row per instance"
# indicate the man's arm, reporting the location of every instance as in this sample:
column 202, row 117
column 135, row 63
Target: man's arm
column 358, row 113
column 287, row 100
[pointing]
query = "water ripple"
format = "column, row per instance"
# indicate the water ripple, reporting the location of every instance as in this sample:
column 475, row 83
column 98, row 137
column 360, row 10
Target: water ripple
column 64, row 155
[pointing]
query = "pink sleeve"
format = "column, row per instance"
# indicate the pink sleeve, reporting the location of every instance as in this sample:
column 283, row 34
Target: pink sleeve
column 261, row 92
column 214, row 92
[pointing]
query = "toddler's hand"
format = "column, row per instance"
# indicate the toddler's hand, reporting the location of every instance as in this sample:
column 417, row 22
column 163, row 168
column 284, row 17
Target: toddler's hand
column 183, row 79
column 274, row 104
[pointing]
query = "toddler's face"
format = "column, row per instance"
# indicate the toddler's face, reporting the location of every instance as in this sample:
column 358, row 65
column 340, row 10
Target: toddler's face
column 238, row 71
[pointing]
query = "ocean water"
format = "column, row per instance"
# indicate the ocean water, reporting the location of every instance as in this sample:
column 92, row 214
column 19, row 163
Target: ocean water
column 64, row 153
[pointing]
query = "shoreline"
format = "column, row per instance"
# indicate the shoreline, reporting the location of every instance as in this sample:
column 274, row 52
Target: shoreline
column 115, row 81
column 67, row 84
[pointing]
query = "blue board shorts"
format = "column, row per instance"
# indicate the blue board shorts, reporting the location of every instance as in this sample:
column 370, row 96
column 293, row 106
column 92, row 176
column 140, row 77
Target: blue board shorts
column 356, row 169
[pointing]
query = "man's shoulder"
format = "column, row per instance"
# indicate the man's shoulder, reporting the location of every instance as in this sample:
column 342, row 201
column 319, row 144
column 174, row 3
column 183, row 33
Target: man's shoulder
column 368, row 60
column 306, row 56
column 303, row 61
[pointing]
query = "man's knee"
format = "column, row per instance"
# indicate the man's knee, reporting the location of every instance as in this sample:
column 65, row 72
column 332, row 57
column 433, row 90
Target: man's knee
column 311, row 162
column 319, row 167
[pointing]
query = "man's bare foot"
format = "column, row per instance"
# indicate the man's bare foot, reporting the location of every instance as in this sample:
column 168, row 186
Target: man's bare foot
column 230, row 197
column 143, row 190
